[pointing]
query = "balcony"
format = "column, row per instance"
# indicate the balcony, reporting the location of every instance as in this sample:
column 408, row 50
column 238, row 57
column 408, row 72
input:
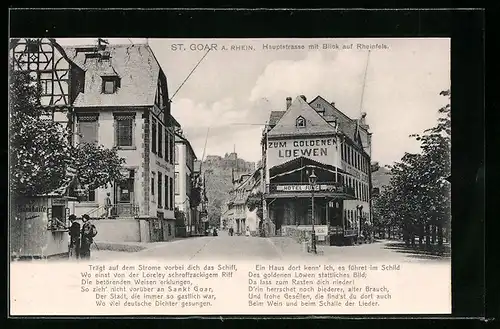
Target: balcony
column 305, row 189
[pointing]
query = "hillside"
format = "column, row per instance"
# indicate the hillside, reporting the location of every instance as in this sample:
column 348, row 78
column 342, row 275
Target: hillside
column 218, row 172
column 381, row 178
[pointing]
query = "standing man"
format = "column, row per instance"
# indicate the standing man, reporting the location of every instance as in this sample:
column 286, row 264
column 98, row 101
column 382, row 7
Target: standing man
column 108, row 205
column 89, row 231
column 74, row 238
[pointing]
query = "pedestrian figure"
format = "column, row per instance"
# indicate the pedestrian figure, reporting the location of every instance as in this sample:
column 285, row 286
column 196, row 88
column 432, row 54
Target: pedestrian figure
column 215, row 232
column 108, row 206
column 74, row 238
column 247, row 231
column 89, row 231
column 231, row 231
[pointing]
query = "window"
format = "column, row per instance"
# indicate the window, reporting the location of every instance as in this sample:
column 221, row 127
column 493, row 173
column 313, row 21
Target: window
column 153, row 184
column 300, row 122
column 188, row 185
column 153, row 135
column 89, row 197
column 176, row 154
column 167, row 145
column 110, row 84
column 171, row 190
column 167, row 196
column 172, row 145
column 160, row 140
column 87, row 128
column 124, row 130
column 176, row 183
column 160, row 178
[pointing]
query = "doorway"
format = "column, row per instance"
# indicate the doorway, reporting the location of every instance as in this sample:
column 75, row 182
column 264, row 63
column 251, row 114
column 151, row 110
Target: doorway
column 124, row 196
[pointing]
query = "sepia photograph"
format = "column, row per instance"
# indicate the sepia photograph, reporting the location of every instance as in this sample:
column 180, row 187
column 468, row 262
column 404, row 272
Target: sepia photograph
column 242, row 176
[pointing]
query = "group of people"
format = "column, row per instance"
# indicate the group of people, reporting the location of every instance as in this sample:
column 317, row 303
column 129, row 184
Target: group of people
column 247, row 231
column 81, row 237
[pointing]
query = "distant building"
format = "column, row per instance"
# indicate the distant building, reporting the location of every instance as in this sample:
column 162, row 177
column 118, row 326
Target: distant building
column 317, row 138
column 237, row 215
column 185, row 179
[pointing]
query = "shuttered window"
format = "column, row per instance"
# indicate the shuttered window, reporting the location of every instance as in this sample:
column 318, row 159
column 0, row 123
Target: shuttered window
column 124, row 129
column 87, row 128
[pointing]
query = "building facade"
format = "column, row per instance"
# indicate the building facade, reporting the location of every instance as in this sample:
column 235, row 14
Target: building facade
column 316, row 138
column 237, row 214
column 186, row 181
column 116, row 96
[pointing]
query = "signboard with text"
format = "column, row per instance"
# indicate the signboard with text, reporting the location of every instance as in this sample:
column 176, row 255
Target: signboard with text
column 305, row 188
column 321, row 149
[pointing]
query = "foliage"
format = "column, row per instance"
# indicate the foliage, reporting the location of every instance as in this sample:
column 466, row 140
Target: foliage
column 96, row 165
column 40, row 149
column 180, row 217
column 254, row 201
column 418, row 195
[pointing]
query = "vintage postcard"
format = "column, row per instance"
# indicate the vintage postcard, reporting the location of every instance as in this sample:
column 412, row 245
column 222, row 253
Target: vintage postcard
column 229, row 176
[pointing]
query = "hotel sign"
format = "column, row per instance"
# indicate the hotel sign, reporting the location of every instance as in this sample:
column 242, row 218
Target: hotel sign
column 318, row 149
column 306, row 188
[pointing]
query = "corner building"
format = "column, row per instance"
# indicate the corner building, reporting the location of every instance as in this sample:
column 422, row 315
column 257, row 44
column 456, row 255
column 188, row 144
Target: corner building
column 317, row 137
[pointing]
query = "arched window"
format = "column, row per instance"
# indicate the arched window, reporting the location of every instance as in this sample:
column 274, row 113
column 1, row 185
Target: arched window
column 300, row 122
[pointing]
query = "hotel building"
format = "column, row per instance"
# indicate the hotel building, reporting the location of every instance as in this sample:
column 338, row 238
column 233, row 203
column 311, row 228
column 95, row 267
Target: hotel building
column 317, row 138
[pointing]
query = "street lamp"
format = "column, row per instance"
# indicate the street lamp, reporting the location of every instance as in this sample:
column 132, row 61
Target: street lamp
column 312, row 181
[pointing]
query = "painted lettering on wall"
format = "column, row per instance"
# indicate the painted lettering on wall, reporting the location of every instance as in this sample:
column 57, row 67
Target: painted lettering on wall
column 319, row 149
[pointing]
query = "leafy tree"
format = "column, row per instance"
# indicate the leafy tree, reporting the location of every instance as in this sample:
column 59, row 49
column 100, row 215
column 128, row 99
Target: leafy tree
column 180, row 218
column 418, row 196
column 40, row 149
column 96, row 165
column 254, row 201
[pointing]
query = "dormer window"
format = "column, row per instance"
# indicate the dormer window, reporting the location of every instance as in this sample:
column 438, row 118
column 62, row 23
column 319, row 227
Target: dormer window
column 110, row 84
column 300, row 122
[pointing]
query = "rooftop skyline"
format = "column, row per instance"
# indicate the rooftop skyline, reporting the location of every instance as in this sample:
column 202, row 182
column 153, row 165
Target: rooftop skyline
column 232, row 93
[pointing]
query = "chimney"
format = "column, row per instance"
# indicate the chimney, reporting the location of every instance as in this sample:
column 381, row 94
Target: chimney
column 288, row 102
column 303, row 97
column 333, row 104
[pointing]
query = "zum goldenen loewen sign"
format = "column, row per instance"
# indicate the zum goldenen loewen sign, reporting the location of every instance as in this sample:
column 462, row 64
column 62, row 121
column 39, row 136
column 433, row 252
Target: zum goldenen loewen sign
column 308, row 147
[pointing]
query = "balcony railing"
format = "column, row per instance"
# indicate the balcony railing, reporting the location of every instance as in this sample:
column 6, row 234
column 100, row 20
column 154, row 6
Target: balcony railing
column 320, row 187
column 124, row 210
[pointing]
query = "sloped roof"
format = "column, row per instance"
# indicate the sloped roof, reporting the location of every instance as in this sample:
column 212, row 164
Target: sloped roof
column 275, row 117
column 315, row 123
column 136, row 66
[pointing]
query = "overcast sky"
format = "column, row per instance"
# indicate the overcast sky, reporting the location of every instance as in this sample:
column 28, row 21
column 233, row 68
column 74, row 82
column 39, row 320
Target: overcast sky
column 233, row 91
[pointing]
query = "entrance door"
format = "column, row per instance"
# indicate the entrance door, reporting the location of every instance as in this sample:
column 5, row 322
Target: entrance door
column 124, row 196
